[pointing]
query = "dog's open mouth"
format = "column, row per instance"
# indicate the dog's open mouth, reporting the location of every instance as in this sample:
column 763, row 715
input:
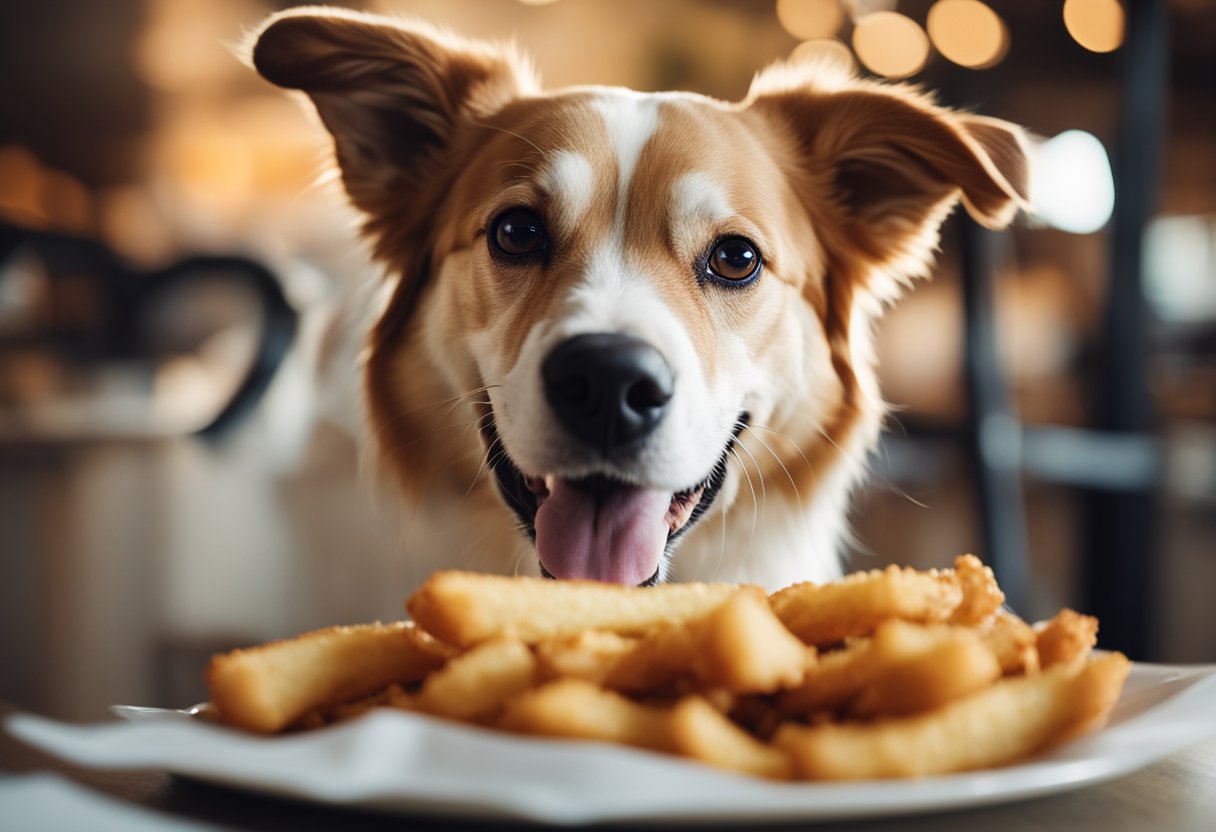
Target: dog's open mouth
column 600, row 528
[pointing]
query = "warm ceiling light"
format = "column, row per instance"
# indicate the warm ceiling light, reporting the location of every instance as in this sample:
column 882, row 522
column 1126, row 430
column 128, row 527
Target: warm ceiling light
column 537, row 2
column 968, row 33
column 1095, row 24
column 890, row 44
column 807, row 19
column 829, row 50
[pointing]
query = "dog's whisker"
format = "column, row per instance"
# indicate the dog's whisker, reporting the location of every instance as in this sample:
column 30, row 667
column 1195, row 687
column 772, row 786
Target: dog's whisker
column 847, row 536
column 722, row 548
column 528, row 168
column 755, row 505
column 456, row 403
column 523, row 554
column 795, row 445
column 485, row 465
column 477, row 420
column 491, row 461
column 371, row 440
column 537, row 148
column 758, row 508
column 759, row 471
column 479, row 423
column 451, row 403
column 751, row 537
column 803, row 515
column 864, row 465
column 780, row 463
column 895, row 488
column 431, row 435
column 431, row 406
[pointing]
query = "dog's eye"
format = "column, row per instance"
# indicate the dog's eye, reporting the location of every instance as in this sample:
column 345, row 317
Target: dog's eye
column 734, row 259
column 517, row 232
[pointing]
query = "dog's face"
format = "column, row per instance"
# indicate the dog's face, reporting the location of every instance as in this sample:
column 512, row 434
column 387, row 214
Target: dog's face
column 629, row 297
column 618, row 284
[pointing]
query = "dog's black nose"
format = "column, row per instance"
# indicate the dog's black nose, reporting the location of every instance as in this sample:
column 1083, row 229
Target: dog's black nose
column 608, row 389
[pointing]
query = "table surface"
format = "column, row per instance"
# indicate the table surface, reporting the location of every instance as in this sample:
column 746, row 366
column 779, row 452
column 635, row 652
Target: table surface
column 1178, row 793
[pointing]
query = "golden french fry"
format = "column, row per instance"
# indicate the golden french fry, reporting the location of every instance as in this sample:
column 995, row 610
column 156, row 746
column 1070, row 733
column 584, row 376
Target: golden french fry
column 702, row 732
column 824, row 614
column 744, row 648
column 465, row 608
column 1012, row 641
column 1012, row 719
column 740, row 646
column 981, row 595
column 590, row 655
column 268, row 688
column 1068, row 637
column 909, row 681
column 835, row 679
column 839, row 676
column 658, row 661
column 576, row 709
column 474, row 685
column 958, row 666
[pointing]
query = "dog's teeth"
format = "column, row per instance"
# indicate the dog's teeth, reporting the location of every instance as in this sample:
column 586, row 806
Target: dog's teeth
column 550, row 480
column 682, row 507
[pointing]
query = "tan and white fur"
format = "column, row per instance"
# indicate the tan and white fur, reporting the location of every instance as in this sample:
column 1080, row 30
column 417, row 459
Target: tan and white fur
column 835, row 185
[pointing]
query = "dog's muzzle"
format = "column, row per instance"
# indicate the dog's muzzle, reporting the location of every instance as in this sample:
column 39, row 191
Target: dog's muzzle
column 609, row 392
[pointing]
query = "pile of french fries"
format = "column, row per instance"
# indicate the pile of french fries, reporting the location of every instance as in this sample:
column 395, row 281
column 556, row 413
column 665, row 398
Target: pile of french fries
column 890, row 673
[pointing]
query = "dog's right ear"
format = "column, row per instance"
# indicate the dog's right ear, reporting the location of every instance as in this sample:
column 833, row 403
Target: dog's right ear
column 391, row 93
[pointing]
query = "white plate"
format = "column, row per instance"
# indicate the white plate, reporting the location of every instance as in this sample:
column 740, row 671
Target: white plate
column 396, row 761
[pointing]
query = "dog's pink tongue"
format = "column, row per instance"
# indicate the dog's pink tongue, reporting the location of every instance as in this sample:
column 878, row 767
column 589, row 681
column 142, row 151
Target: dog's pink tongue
column 618, row 537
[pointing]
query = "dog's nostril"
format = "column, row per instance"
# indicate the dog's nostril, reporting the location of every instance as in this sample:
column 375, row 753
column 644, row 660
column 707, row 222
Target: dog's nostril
column 647, row 394
column 607, row 389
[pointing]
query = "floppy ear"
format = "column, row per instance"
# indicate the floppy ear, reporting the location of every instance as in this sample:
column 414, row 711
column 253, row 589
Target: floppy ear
column 392, row 94
column 880, row 166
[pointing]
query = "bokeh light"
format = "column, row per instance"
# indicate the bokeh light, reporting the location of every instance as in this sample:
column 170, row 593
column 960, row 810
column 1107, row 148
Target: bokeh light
column 828, row 50
column 1095, row 24
column 890, row 44
column 968, row 32
column 810, row 19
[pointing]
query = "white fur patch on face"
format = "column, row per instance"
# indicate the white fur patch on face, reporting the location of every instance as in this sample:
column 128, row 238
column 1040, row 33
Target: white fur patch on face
column 630, row 119
column 697, row 196
column 698, row 206
column 570, row 181
column 615, row 294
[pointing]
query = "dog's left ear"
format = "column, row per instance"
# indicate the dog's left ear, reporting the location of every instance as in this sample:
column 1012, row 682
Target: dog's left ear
column 392, row 94
column 880, row 166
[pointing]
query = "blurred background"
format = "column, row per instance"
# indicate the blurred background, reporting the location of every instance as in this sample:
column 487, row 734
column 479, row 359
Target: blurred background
column 174, row 479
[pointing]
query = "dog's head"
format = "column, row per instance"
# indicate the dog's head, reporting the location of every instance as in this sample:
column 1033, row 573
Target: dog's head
column 619, row 283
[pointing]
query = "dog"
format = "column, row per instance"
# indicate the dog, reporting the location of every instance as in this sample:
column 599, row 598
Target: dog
column 627, row 336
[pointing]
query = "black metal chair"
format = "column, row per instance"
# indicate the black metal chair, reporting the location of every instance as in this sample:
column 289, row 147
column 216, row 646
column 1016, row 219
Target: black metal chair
column 1118, row 461
column 128, row 296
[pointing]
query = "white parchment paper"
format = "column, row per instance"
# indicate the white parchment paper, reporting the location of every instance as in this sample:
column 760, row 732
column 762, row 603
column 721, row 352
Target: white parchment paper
column 397, row 761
